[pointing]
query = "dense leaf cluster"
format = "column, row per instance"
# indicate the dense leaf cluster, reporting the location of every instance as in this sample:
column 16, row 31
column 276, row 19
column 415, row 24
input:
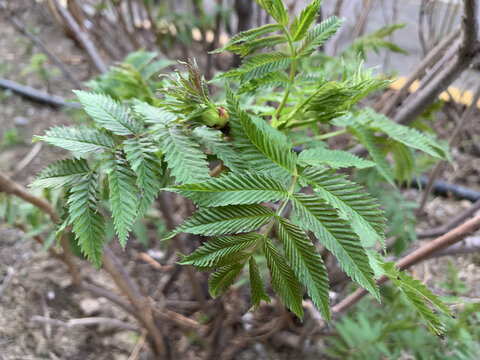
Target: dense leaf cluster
column 268, row 200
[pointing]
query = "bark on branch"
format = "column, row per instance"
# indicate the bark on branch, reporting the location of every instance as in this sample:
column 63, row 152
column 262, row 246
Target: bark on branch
column 468, row 50
column 415, row 257
column 82, row 38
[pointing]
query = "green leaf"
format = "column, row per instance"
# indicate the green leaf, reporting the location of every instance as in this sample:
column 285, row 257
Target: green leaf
column 141, row 153
column 140, row 59
column 276, row 10
column 220, row 249
column 234, row 189
column 183, row 155
column 250, row 47
column 154, row 67
column 275, row 143
column 268, row 144
column 153, row 115
column 257, row 289
column 403, row 134
column 123, row 194
column 301, row 24
column 66, row 172
column 306, row 263
column 79, row 140
column 108, row 113
column 213, row 140
column 351, row 199
column 283, row 279
column 223, row 278
column 404, row 162
column 259, row 65
column 88, row 222
column 318, row 35
column 337, row 236
column 225, row 220
column 419, row 295
column 366, row 137
column 278, row 79
column 249, row 35
column 334, row 158
column 329, row 101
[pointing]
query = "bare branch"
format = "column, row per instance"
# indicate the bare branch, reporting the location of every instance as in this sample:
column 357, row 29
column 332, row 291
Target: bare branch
column 469, row 47
column 451, row 225
column 415, row 257
column 99, row 291
column 82, row 38
column 432, row 57
column 11, row 187
column 88, row 321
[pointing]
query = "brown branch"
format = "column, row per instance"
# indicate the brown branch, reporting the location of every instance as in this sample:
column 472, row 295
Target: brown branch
column 180, row 320
column 359, row 27
column 128, row 287
column 451, row 225
column 467, row 51
column 178, row 243
column 101, row 292
column 11, row 187
column 415, row 257
column 32, row 154
column 338, row 8
column 18, row 24
column 82, row 38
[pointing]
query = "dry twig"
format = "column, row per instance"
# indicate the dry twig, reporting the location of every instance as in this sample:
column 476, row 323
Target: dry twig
column 88, row 321
column 82, row 38
column 415, row 257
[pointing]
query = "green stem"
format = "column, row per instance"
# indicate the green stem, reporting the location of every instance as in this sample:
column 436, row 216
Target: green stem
column 280, row 107
column 300, row 106
column 283, row 204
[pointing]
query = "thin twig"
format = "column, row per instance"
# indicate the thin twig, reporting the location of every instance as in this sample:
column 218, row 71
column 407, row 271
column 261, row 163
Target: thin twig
column 11, row 271
column 138, row 346
column 32, row 154
column 82, row 38
column 144, row 310
column 99, row 291
column 11, row 187
column 177, row 241
column 46, row 314
column 468, row 50
column 179, row 320
column 415, row 257
column 88, row 321
column 359, row 27
column 451, row 225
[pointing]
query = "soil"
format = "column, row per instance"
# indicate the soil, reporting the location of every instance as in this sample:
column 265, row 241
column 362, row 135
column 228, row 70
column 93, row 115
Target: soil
column 39, row 286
